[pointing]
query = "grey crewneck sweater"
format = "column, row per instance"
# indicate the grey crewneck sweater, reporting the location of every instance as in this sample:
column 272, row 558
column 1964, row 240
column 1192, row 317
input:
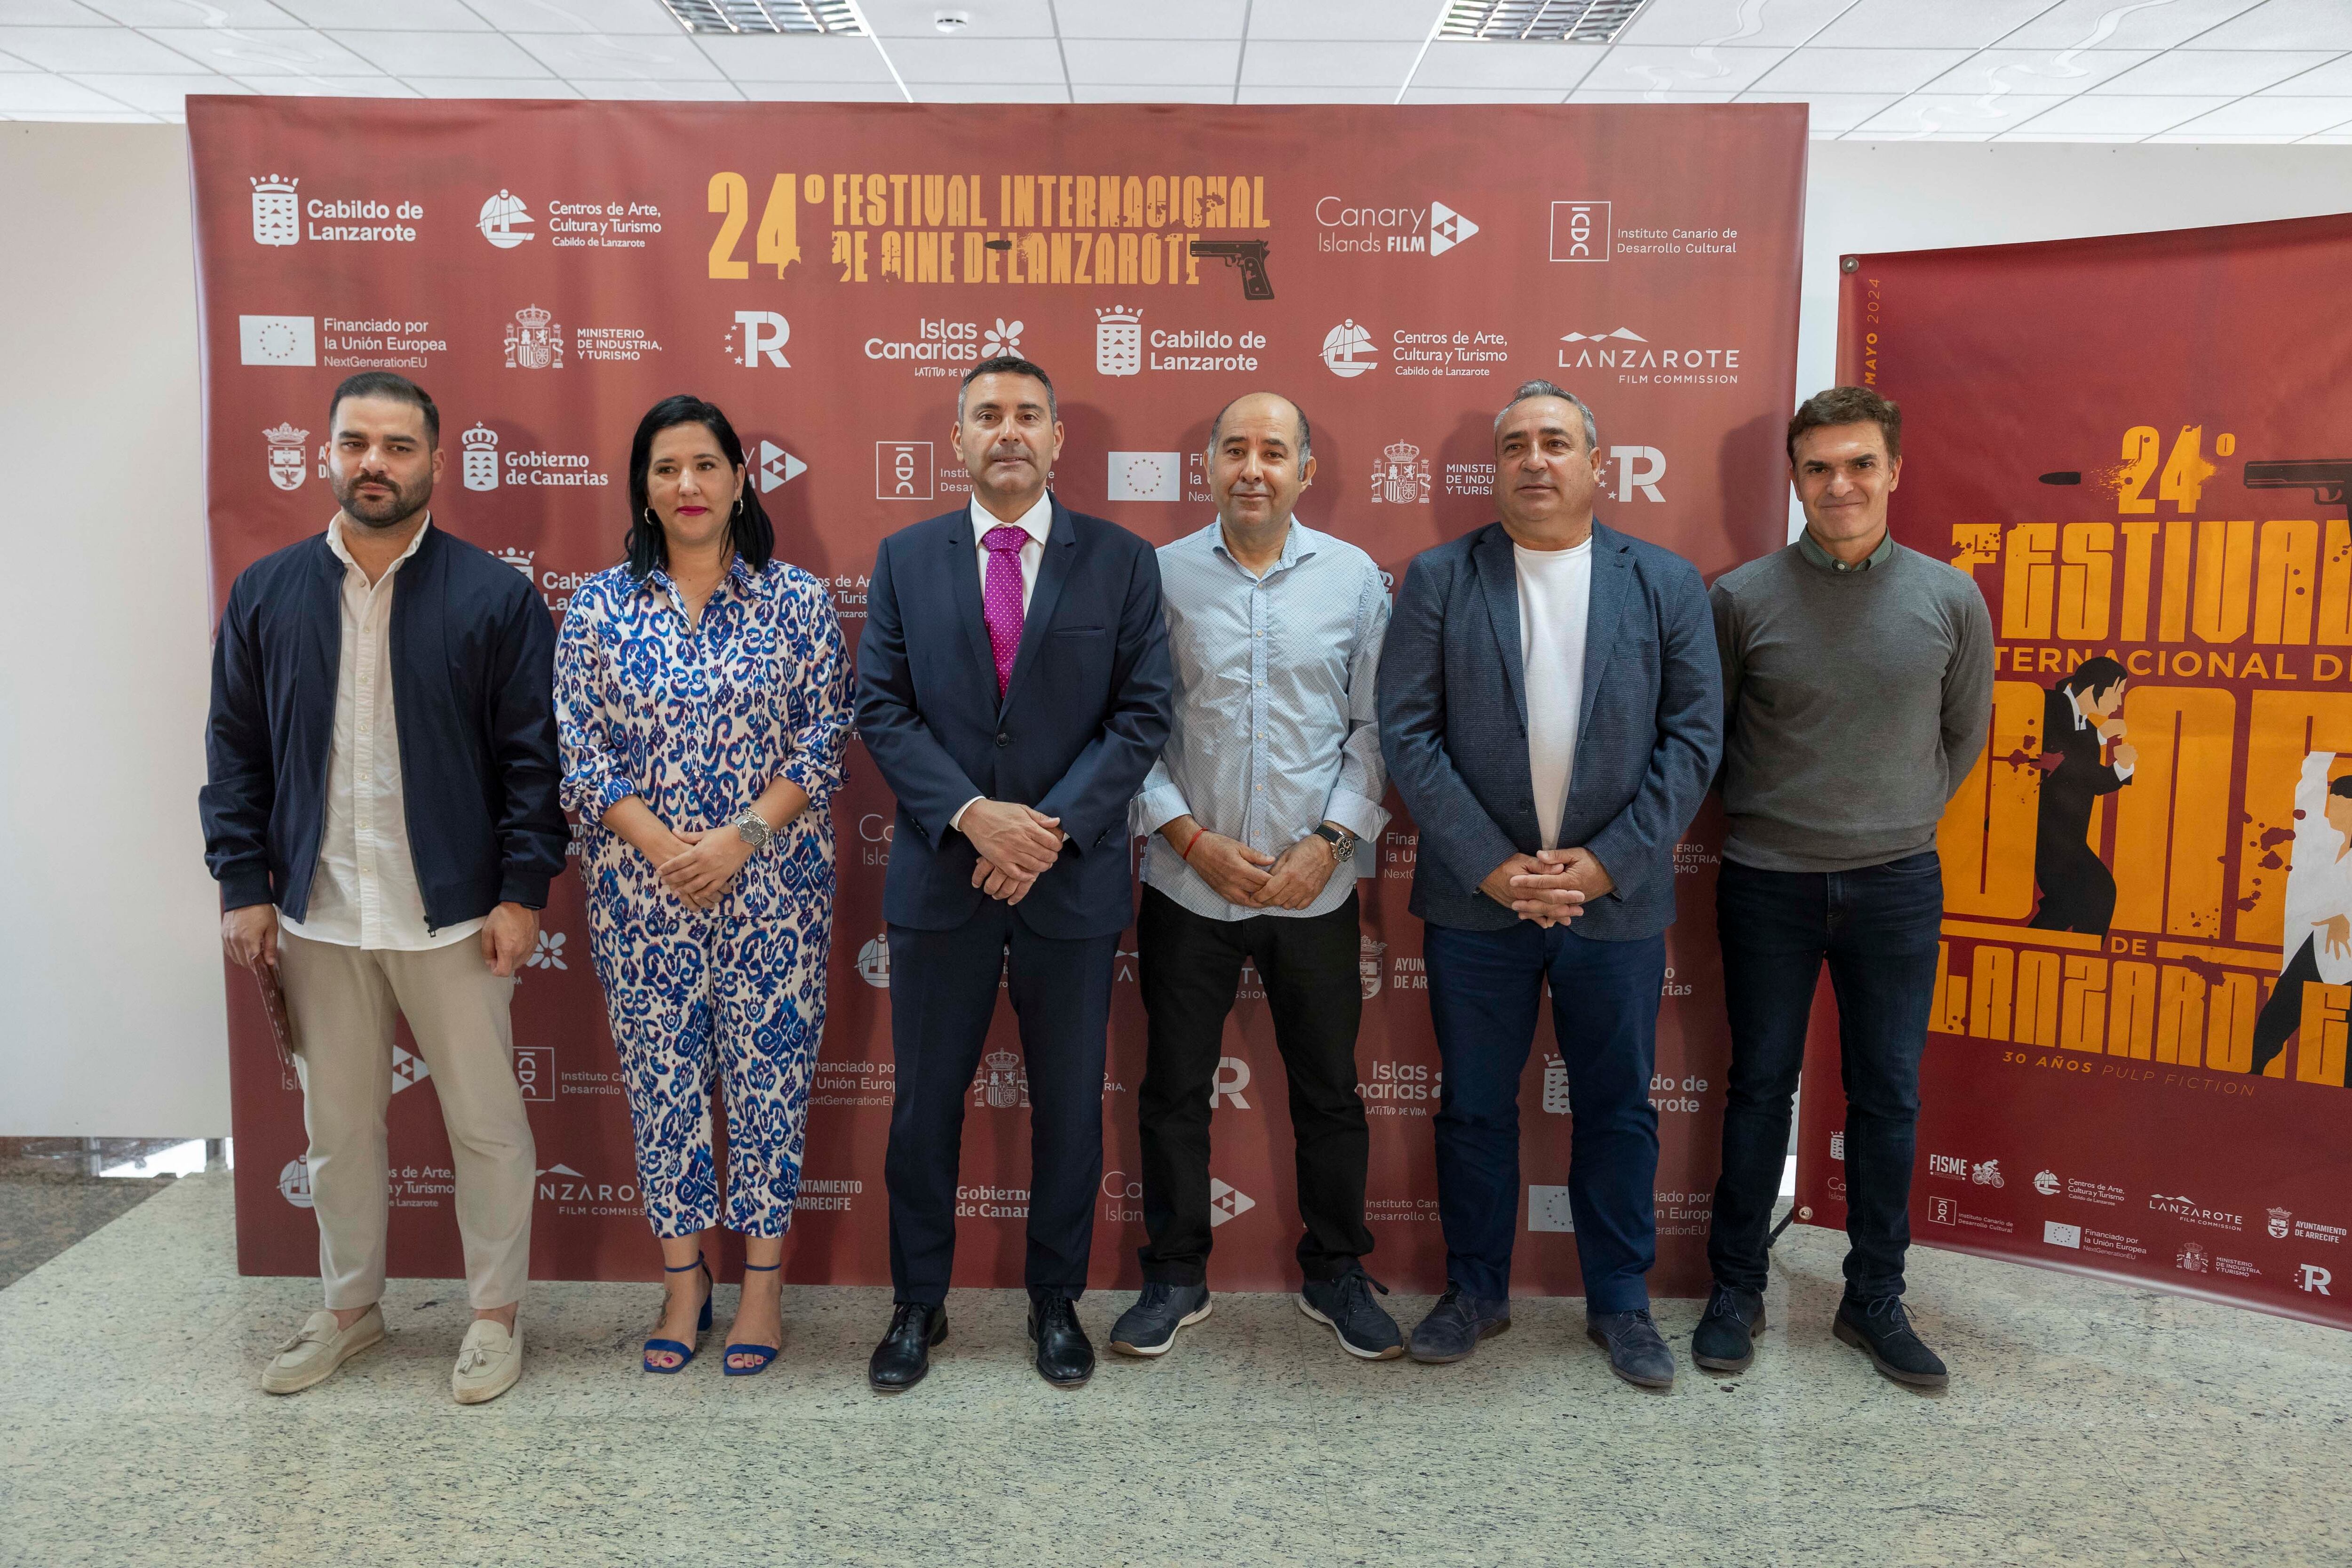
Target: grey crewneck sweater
column 1855, row 704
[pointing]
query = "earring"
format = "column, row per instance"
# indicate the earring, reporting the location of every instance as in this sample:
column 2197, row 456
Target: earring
column 651, row 521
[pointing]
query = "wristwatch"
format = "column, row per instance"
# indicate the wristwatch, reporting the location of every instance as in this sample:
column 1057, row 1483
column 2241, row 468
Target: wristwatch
column 754, row 829
column 1343, row 842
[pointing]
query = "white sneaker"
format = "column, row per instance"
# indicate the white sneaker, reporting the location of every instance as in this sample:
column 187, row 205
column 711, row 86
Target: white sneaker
column 312, row 1354
column 489, row 1362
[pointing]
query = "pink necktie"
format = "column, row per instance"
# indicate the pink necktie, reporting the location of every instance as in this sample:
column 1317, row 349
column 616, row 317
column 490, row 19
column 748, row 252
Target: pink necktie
column 1000, row 597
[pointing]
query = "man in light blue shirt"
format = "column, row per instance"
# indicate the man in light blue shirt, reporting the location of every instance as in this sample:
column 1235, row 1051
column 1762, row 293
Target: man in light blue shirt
column 1271, row 777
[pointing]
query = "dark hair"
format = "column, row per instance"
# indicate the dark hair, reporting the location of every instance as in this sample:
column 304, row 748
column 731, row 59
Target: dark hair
column 1848, row 405
column 1305, row 434
column 1548, row 389
column 2342, row 786
column 383, row 384
column 2093, row 674
column 754, row 538
column 1010, row 365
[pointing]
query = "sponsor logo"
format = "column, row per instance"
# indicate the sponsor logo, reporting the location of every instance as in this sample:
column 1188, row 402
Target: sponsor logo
column 574, row 225
column 2057, row 1234
column 1368, row 965
column 1580, row 231
column 1372, row 230
column 874, row 961
column 407, row 1070
column 757, row 336
column 1398, row 1088
column 902, row 471
column 1837, row 1145
column 2046, row 1182
column 1118, row 341
column 941, row 342
column 1348, row 351
column 2192, row 1257
column 1987, row 1175
column 1146, row 475
column 1640, row 363
column 778, row 468
column 1002, row 339
column 534, row 1070
column 2279, row 1220
column 2311, row 1276
column 1950, row 1167
column 1638, row 469
column 294, row 1182
column 833, row 1197
column 1401, row 476
column 484, row 468
column 1123, row 1197
column 1547, row 1210
column 2190, row 1210
column 534, row 340
column 1232, row 1078
column 278, row 339
column 2313, row 1230
column 549, row 954
column 1002, row 1083
column 277, row 211
column 505, row 220
column 480, row 465
column 1837, row 1187
column 573, row 1192
column 1556, row 1100
column 520, row 560
column 1943, row 1211
column 288, row 464
column 992, row 1203
column 1227, row 1202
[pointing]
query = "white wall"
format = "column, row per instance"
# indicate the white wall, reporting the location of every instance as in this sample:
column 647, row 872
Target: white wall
column 110, row 1017
column 109, row 981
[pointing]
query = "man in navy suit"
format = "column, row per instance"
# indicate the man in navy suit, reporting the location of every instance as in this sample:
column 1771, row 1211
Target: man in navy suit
column 1014, row 688
column 1551, row 711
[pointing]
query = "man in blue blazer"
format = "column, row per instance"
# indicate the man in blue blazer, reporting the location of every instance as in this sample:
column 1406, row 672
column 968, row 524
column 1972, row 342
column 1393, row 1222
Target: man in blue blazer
column 1013, row 689
column 1551, row 712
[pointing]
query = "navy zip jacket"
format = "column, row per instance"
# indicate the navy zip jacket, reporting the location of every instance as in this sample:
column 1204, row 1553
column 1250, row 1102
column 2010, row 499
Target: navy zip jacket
column 473, row 672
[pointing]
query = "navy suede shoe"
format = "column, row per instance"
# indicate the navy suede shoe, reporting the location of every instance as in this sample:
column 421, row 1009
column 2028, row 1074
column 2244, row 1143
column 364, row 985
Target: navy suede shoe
column 1636, row 1353
column 1456, row 1324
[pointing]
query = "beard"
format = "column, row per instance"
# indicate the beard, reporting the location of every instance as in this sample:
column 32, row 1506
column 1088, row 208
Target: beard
column 381, row 508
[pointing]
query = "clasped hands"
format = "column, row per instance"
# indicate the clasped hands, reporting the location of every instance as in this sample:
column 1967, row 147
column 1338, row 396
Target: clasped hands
column 1551, row 887
column 1251, row 877
column 702, row 863
column 1017, row 845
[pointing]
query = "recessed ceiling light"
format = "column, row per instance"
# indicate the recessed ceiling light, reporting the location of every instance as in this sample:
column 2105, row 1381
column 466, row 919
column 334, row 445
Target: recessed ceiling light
column 766, row 15
column 1539, row 21
column 950, row 21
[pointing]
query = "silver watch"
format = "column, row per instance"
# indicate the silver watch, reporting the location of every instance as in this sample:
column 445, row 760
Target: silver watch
column 754, row 829
column 1343, row 844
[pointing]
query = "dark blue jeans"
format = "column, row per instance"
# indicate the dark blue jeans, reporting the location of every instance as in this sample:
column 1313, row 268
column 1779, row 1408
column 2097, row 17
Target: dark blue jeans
column 1484, row 986
column 1878, row 929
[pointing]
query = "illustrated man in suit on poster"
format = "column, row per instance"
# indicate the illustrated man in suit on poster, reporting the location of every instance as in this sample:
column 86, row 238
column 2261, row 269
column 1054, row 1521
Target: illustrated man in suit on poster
column 2081, row 717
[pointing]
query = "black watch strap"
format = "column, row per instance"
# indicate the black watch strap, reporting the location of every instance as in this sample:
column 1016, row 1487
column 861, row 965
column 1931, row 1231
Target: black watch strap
column 1342, row 843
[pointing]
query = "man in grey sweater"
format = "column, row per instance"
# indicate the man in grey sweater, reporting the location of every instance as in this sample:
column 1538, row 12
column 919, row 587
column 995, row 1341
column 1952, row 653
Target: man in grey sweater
column 1857, row 681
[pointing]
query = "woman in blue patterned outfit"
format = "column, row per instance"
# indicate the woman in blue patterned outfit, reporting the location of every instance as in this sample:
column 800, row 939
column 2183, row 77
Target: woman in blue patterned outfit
column 703, row 696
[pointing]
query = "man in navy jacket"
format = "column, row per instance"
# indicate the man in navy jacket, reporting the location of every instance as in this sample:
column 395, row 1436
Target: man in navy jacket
column 1013, row 689
column 1551, row 712
column 381, row 813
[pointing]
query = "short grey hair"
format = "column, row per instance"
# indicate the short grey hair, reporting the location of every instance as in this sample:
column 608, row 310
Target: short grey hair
column 1549, row 389
column 1305, row 434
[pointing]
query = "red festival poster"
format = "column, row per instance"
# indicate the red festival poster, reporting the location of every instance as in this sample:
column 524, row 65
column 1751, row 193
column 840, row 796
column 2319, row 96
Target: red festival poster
column 825, row 273
column 2139, row 449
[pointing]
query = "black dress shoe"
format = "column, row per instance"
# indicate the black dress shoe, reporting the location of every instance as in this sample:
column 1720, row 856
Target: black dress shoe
column 1065, row 1357
column 1725, row 1340
column 905, row 1353
column 1882, row 1330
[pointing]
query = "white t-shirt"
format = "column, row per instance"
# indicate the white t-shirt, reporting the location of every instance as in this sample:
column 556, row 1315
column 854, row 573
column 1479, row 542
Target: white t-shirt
column 1555, row 592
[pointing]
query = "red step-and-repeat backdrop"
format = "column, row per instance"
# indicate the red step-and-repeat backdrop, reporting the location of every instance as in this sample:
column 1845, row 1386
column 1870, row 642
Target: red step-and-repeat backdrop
column 2140, row 448
column 825, row 273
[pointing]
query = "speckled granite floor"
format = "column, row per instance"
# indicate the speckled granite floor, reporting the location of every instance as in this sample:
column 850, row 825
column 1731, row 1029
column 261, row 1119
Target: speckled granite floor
column 49, row 1201
column 2086, row 1424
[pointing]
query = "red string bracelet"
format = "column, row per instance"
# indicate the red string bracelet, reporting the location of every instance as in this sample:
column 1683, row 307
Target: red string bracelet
column 1194, row 839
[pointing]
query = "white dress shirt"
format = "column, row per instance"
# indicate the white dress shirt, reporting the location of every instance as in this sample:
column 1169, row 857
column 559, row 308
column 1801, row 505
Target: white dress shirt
column 1036, row 522
column 1555, row 595
column 363, row 892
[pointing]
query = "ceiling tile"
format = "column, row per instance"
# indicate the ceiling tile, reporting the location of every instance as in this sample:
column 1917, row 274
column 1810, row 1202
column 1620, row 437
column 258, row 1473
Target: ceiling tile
column 52, row 13
column 2072, row 138
column 2212, row 71
column 408, row 16
column 1338, row 20
column 1316, row 95
column 813, row 60
column 11, row 63
column 2042, row 73
column 1926, row 24
column 2284, row 24
column 1106, row 93
column 988, row 18
column 883, row 91
column 191, row 13
column 976, row 60
column 1419, row 94
column 1859, row 70
column 2120, row 116
column 282, row 85
column 1629, row 68
column 1344, row 65
column 441, row 54
column 976, row 92
column 1462, row 63
column 1126, row 19
column 1834, row 110
column 1178, row 62
column 241, row 54
column 2119, row 25
column 1949, row 113
column 41, row 94
column 672, row 91
column 1782, row 23
column 2333, row 79
column 91, row 49
column 576, row 16
column 2272, row 117
column 492, row 86
column 1656, row 95
column 104, row 117
column 166, row 94
column 625, row 57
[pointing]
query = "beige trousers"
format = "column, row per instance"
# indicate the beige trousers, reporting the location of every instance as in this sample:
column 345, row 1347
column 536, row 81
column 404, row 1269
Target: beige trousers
column 343, row 1000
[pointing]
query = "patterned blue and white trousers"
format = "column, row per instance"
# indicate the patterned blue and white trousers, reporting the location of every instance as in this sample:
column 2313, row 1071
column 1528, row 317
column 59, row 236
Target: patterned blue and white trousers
column 732, row 995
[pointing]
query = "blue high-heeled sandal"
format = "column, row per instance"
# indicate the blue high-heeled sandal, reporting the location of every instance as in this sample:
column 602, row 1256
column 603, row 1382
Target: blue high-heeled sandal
column 765, row 1352
column 684, row 1353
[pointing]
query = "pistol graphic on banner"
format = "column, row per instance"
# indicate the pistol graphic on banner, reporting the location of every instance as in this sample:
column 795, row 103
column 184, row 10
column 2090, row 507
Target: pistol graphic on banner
column 1249, row 254
column 2326, row 478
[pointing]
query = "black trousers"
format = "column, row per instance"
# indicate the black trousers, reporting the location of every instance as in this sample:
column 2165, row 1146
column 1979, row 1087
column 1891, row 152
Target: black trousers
column 2281, row 1015
column 1190, row 968
column 943, row 987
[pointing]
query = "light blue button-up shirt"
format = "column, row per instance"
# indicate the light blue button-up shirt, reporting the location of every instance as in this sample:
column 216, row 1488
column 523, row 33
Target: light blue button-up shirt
column 1276, row 728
